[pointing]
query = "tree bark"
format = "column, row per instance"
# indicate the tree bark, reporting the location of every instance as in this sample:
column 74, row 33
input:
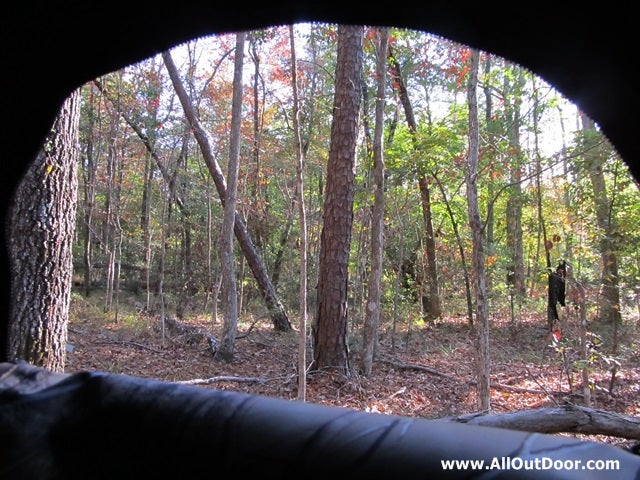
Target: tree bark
column 302, row 334
column 372, row 311
column 479, row 283
column 609, row 299
column 40, row 243
column 276, row 309
column 330, row 326
column 88, row 169
column 229, row 283
column 513, row 214
column 490, row 156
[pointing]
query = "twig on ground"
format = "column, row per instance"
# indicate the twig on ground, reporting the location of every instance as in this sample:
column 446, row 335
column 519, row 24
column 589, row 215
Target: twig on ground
column 223, row 378
column 246, row 334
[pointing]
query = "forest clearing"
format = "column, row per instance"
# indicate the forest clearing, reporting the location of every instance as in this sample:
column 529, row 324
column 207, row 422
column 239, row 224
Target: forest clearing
column 427, row 372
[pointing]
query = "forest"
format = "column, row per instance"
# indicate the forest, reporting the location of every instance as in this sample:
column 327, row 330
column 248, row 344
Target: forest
column 235, row 227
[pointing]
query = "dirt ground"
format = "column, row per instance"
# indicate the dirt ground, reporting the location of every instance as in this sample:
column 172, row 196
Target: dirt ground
column 427, row 372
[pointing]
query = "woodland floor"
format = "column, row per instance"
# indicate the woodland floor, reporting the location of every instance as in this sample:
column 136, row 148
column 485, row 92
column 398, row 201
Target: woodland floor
column 427, row 373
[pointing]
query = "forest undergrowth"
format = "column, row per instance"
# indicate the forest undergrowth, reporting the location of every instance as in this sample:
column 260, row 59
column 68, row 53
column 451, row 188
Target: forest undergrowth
column 423, row 371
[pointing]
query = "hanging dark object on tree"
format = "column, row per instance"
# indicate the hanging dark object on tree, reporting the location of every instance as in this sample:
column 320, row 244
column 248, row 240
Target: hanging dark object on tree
column 556, row 292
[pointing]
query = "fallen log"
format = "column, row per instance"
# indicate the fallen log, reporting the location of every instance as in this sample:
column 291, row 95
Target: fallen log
column 567, row 418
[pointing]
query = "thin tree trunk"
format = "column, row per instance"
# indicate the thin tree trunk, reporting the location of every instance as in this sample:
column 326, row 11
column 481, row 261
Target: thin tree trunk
column 216, row 295
column 584, row 349
column 145, row 222
column 147, row 264
column 118, row 255
column 482, row 318
column 108, row 239
column 41, row 233
column 433, row 304
column 275, row 307
column 490, row 155
column 186, row 265
column 463, row 257
column 541, row 240
column 302, row 334
column 89, row 191
column 209, row 283
column 229, row 285
column 514, row 201
column 372, row 311
column 282, row 244
column 609, row 299
column 161, row 267
column 255, row 148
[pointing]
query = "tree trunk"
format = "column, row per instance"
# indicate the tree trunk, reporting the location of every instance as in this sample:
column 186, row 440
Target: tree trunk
column 482, row 318
column 513, row 214
column 609, row 291
column 372, row 318
column 330, row 326
column 276, row 309
column 229, row 284
column 110, row 201
column 463, row 257
column 164, row 221
column 88, row 169
column 432, row 305
column 282, row 244
column 41, row 235
column 186, row 245
column 490, row 156
column 302, row 334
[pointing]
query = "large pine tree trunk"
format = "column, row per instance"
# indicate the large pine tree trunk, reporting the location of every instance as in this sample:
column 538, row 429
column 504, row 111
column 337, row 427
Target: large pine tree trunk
column 330, row 325
column 40, row 244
